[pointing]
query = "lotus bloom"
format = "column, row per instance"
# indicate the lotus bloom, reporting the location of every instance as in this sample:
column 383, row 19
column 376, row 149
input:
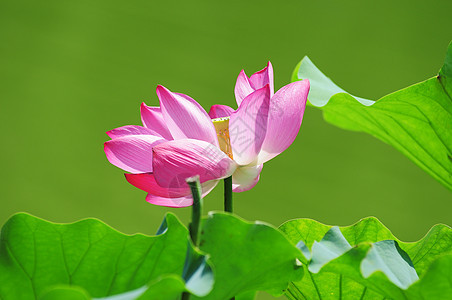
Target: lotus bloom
column 179, row 139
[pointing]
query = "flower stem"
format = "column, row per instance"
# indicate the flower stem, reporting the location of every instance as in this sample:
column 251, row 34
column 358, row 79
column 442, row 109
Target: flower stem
column 228, row 194
column 228, row 198
column 196, row 209
column 185, row 296
column 196, row 192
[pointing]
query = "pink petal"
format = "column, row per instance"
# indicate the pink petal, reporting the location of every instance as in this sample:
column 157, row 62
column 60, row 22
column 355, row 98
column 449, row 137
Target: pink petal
column 132, row 153
column 263, row 77
column 284, row 120
column 220, row 111
column 174, row 161
column 147, row 183
column 170, row 202
column 185, row 118
column 130, row 130
column 248, row 125
column 152, row 118
column 242, row 87
column 183, row 201
column 245, row 178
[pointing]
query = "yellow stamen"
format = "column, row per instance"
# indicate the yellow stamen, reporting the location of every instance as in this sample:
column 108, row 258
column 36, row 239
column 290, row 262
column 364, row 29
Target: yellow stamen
column 222, row 128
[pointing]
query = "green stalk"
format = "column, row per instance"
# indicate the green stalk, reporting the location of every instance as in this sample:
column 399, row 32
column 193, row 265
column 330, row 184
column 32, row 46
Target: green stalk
column 228, row 194
column 196, row 209
column 228, row 198
column 196, row 192
column 185, row 296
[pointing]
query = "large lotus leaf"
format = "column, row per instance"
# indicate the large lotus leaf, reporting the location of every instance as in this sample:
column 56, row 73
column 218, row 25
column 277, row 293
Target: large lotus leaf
column 247, row 257
column 416, row 120
column 360, row 273
column 167, row 287
column 39, row 259
column 66, row 292
column 332, row 245
column 436, row 283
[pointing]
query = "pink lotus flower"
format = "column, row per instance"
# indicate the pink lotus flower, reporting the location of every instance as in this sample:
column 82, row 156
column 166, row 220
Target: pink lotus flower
column 179, row 140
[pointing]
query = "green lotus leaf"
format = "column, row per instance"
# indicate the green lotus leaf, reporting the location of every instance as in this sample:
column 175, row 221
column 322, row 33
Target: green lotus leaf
column 88, row 259
column 377, row 265
column 167, row 287
column 66, row 292
column 416, row 120
column 247, row 256
column 332, row 245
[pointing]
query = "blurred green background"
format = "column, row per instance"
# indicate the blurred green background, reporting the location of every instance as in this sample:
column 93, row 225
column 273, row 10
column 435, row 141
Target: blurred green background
column 71, row 70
